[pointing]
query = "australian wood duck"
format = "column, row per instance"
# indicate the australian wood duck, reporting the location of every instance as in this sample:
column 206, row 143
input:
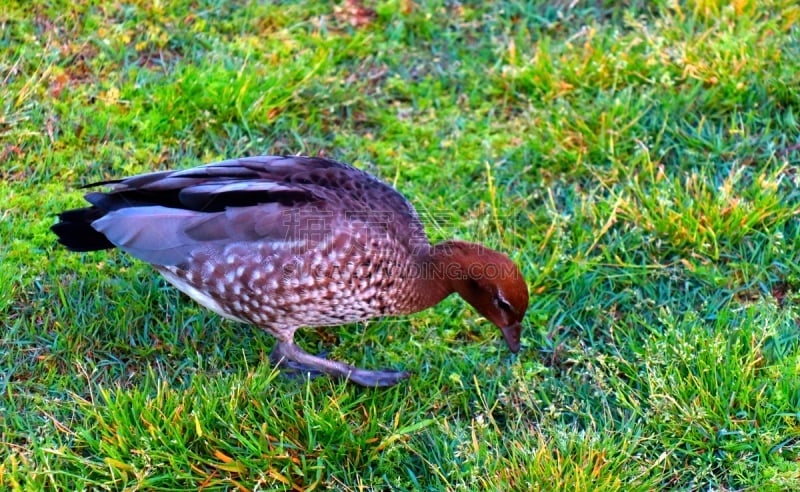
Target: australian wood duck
column 286, row 242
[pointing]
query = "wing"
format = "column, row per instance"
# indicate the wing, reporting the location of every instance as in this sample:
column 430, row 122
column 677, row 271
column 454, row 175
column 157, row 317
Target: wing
column 214, row 187
column 168, row 236
column 162, row 217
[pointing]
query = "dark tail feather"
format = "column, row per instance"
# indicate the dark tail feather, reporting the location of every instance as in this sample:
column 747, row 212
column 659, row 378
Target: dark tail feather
column 76, row 233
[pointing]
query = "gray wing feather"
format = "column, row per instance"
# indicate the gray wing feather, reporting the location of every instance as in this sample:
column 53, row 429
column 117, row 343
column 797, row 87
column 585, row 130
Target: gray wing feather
column 168, row 236
column 133, row 230
column 163, row 217
column 264, row 222
column 217, row 188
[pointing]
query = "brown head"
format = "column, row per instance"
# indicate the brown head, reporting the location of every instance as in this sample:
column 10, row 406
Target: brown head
column 489, row 281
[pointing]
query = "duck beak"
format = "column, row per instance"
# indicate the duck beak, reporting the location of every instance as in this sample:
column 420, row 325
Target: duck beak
column 511, row 333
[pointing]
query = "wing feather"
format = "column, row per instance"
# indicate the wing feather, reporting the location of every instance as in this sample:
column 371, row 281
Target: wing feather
column 161, row 217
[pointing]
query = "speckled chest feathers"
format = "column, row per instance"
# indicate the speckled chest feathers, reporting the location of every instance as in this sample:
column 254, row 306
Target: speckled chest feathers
column 345, row 274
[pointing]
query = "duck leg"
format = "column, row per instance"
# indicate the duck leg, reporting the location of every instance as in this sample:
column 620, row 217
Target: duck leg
column 289, row 354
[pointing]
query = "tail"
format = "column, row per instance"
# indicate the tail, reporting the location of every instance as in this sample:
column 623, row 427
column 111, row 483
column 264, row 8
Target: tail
column 75, row 231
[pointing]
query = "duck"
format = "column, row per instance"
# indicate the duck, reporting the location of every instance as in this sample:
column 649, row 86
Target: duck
column 287, row 242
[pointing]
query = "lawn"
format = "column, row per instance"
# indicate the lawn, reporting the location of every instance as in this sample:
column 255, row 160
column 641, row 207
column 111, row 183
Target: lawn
column 639, row 161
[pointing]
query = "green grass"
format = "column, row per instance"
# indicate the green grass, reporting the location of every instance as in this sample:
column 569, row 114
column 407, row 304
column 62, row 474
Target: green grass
column 639, row 160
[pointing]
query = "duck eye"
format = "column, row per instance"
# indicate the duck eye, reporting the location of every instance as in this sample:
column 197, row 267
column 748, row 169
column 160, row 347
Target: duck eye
column 502, row 304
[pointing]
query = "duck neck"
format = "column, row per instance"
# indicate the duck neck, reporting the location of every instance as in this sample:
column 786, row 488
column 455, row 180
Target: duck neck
column 436, row 278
